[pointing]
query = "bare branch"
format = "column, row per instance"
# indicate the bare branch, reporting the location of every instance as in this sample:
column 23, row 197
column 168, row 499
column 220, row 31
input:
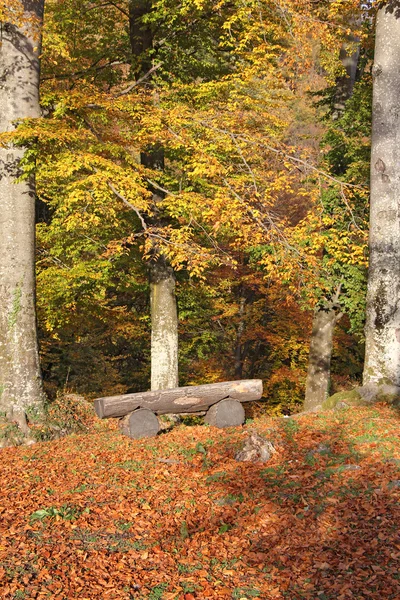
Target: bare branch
column 159, row 188
column 138, row 81
column 83, row 72
column 345, row 201
column 283, row 154
column 128, row 204
column 108, row 3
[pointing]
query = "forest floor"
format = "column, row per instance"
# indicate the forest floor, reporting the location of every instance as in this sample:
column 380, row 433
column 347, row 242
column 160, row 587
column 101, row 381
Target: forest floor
column 177, row 517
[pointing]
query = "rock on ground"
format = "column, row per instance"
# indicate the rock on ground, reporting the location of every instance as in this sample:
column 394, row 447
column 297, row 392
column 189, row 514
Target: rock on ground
column 255, row 449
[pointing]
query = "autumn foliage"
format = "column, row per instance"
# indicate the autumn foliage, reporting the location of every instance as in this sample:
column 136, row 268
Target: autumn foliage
column 236, row 208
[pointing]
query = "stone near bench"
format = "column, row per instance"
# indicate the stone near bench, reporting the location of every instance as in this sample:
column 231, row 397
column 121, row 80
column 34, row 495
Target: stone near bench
column 222, row 401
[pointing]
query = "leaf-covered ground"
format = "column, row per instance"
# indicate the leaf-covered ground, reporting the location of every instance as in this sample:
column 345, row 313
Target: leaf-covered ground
column 176, row 517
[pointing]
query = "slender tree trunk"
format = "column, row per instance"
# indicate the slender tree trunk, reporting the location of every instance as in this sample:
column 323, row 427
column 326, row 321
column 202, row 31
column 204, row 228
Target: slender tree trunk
column 140, row 34
column 239, row 357
column 20, row 378
column 382, row 331
column 345, row 84
column 319, row 363
column 164, row 327
column 163, row 306
column 318, row 375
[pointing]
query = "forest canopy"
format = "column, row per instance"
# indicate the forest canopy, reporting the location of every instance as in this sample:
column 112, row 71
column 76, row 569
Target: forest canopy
column 201, row 180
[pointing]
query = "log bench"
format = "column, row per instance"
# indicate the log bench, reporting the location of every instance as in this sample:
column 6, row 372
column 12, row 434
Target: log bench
column 221, row 401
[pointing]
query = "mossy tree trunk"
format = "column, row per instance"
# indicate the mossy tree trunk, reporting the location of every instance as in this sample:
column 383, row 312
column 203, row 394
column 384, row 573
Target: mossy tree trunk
column 382, row 331
column 241, row 349
column 20, row 377
column 319, row 363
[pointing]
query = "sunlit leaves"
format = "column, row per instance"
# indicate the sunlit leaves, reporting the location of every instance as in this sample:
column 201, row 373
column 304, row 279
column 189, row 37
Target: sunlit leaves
column 236, row 198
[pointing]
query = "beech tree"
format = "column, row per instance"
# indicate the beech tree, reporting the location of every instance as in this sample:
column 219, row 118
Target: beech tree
column 382, row 352
column 332, row 306
column 20, row 378
column 163, row 305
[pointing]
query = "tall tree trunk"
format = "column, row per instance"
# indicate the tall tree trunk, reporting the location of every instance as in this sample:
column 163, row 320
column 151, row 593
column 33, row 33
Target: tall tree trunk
column 239, row 354
column 140, row 35
column 345, row 84
column 20, row 377
column 318, row 375
column 164, row 327
column 319, row 363
column 382, row 331
column 163, row 306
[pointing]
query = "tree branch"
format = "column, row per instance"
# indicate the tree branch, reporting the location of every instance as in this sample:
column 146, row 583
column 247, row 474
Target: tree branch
column 283, row 154
column 138, row 81
column 128, row 204
column 93, row 67
column 114, row 4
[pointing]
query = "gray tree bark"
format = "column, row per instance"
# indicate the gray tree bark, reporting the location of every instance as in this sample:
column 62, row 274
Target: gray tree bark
column 20, row 377
column 227, row 413
column 164, row 327
column 163, row 305
column 382, row 331
column 345, row 84
column 241, row 349
column 319, row 363
column 325, row 318
column 141, row 423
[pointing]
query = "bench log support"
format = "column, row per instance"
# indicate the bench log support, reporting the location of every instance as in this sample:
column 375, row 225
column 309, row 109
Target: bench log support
column 141, row 423
column 226, row 413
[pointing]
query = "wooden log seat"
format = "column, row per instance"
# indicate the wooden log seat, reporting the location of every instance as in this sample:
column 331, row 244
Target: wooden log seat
column 222, row 401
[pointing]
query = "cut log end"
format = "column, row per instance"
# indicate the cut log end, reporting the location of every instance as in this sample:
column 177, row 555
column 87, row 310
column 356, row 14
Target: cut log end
column 99, row 407
column 227, row 413
column 141, row 423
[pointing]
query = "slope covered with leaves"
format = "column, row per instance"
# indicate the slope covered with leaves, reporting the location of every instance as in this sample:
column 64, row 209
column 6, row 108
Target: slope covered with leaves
column 99, row 516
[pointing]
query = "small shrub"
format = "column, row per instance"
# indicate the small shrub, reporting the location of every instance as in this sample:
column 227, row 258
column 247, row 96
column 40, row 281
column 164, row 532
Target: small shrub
column 68, row 413
column 10, row 434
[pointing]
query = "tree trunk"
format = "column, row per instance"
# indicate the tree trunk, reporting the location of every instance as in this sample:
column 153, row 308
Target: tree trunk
column 20, row 377
column 345, row 84
column 325, row 318
column 239, row 354
column 140, row 35
column 319, row 363
column 164, row 319
column 141, row 423
column 382, row 331
column 164, row 327
column 227, row 413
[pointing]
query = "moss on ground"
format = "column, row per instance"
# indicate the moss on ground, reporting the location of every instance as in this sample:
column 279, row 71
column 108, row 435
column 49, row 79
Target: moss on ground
column 349, row 397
